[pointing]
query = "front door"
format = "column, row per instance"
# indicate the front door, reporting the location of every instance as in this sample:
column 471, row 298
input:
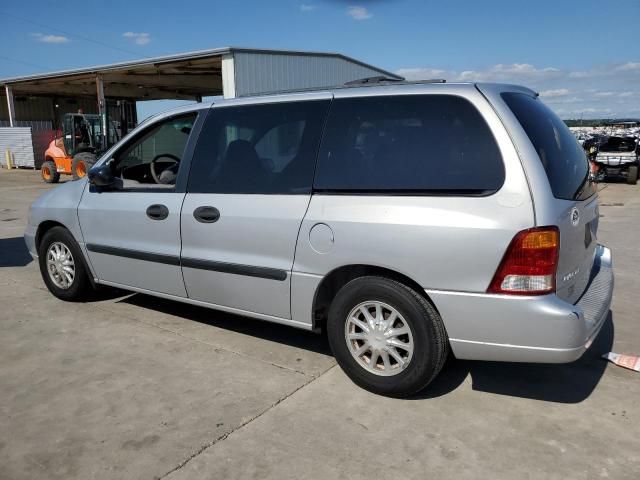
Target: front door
column 249, row 188
column 132, row 231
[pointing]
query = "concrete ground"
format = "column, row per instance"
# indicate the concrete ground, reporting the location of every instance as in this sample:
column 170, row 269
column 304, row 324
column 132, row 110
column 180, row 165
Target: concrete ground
column 135, row 387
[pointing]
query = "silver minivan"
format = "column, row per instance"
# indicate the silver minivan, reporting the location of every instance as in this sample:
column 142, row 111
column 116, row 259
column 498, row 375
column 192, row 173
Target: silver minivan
column 409, row 220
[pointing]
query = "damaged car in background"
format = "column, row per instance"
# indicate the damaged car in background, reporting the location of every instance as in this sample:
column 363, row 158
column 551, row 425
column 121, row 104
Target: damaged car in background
column 617, row 157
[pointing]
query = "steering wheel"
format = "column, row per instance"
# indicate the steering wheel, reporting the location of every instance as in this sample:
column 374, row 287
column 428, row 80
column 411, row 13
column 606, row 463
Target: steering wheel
column 152, row 165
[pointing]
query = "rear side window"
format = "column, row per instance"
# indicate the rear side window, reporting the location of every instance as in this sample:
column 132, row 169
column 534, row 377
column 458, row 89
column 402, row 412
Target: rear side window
column 563, row 158
column 261, row 149
column 436, row 144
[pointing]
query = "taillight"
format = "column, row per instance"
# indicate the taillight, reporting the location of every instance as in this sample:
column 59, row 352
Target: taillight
column 530, row 264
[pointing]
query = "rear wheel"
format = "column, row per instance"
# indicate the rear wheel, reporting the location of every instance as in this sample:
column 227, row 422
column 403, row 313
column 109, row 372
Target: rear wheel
column 62, row 266
column 632, row 175
column 81, row 164
column 49, row 172
column 386, row 337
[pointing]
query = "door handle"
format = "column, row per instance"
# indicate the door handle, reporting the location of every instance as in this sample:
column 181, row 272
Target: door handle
column 206, row 214
column 157, row 212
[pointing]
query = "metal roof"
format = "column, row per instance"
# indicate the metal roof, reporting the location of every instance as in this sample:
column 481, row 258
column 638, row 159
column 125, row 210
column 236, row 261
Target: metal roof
column 180, row 57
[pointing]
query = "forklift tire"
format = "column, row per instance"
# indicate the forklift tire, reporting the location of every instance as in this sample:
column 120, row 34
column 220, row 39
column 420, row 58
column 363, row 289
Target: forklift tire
column 81, row 164
column 632, row 175
column 49, row 172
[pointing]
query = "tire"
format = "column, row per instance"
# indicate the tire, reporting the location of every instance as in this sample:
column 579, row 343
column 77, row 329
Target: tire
column 79, row 288
column 49, row 172
column 632, row 175
column 427, row 332
column 81, row 164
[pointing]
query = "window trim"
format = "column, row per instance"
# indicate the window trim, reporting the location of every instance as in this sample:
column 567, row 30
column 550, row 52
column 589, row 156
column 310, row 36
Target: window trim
column 416, row 192
column 426, row 192
column 185, row 163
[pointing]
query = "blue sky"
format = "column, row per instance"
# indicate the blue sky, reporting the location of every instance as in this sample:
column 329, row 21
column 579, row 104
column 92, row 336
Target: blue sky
column 583, row 56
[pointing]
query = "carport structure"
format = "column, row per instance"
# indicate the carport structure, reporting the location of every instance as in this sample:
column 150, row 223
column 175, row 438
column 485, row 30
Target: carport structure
column 38, row 102
column 226, row 71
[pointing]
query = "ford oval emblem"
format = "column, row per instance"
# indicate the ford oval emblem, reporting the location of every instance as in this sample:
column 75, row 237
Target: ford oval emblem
column 575, row 217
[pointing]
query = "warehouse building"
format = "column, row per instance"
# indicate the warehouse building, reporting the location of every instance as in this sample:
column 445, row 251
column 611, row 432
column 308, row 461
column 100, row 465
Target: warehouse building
column 31, row 106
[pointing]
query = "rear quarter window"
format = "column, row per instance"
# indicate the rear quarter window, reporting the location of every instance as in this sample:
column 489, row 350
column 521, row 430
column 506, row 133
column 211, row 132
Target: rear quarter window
column 562, row 157
column 423, row 144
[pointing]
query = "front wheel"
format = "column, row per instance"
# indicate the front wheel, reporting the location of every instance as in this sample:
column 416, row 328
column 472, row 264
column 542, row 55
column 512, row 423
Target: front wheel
column 386, row 337
column 81, row 164
column 62, row 266
column 632, row 175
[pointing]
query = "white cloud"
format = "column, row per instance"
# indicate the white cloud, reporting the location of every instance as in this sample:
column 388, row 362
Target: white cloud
column 40, row 37
column 307, row 7
column 359, row 13
column 558, row 92
column 502, row 73
column 610, row 94
column 515, row 72
column 606, row 90
column 629, row 66
column 140, row 38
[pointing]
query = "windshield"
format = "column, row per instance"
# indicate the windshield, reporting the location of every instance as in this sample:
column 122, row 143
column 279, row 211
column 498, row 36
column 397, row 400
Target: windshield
column 564, row 160
column 619, row 144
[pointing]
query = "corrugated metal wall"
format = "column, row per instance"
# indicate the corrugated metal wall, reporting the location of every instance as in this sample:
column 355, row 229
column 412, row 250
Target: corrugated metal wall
column 43, row 108
column 259, row 72
column 18, row 141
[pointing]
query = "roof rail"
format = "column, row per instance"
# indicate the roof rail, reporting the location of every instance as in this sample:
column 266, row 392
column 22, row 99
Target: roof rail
column 380, row 80
column 372, row 80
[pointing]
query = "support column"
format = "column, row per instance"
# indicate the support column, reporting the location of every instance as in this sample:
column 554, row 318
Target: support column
column 228, row 76
column 102, row 110
column 10, row 105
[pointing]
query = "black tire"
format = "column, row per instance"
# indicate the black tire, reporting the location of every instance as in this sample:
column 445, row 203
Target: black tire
column 431, row 344
column 632, row 175
column 84, row 160
column 49, row 172
column 80, row 288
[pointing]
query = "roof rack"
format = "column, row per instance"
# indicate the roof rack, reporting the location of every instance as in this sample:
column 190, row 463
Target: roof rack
column 379, row 80
column 371, row 80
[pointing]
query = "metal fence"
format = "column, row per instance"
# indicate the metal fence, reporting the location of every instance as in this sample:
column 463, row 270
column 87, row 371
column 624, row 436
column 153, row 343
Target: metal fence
column 41, row 134
column 18, row 141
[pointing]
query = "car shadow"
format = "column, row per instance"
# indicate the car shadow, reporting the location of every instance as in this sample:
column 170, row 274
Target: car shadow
column 293, row 337
column 559, row 383
column 14, row 252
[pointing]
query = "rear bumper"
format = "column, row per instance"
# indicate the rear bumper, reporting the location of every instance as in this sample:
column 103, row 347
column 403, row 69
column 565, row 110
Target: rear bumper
column 543, row 329
column 616, row 168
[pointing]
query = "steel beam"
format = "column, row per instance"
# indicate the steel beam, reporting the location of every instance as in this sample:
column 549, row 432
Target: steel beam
column 228, row 76
column 10, row 105
column 102, row 110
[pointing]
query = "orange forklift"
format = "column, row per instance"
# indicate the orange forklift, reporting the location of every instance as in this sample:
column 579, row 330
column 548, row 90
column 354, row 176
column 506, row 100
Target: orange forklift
column 77, row 149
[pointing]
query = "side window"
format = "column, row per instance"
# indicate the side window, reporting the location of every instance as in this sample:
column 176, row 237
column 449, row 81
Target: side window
column 281, row 144
column 261, row 149
column 412, row 143
column 153, row 159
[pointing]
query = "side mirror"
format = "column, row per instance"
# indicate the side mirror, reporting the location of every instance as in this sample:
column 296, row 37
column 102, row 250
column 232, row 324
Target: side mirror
column 101, row 176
